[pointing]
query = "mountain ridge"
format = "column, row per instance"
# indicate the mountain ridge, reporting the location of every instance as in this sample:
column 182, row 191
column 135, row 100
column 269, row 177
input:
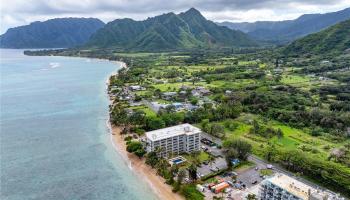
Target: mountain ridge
column 168, row 31
column 334, row 40
column 289, row 30
column 53, row 33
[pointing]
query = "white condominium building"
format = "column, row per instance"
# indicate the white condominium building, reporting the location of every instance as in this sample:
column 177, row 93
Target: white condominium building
column 283, row 187
column 174, row 140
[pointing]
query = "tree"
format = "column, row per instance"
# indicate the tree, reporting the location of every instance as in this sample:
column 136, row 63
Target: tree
column 278, row 78
column 133, row 146
column 194, row 101
column 140, row 153
column 251, row 197
column 194, row 80
column 171, row 119
column 154, row 123
column 158, row 93
column 119, row 116
column 271, row 152
column 181, row 175
column 242, row 148
column 162, row 167
column 205, row 125
column 256, row 127
column 137, row 117
column 136, row 147
column 192, row 170
column 230, row 155
column 194, row 158
column 217, row 130
column 152, row 159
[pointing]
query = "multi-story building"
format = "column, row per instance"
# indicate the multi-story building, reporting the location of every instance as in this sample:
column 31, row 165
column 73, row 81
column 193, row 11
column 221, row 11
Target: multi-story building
column 283, row 187
column 174, row 140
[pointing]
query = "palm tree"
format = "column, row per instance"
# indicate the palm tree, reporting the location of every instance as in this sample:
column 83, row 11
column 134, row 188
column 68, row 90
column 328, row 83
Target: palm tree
column 192, row 170
column 194, row 158
column 181, row 175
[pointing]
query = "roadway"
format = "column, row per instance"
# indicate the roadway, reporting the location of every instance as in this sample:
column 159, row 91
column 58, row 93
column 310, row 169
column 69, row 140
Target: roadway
column 276, row 168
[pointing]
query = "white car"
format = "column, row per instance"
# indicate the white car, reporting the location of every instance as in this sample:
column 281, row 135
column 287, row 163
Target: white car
column 269, row 166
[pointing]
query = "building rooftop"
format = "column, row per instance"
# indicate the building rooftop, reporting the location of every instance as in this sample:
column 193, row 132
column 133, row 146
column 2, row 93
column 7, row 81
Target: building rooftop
column 291, row 185
column 298, row 188
column 172, row 131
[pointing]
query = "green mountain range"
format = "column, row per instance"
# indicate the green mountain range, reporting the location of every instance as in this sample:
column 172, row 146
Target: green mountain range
column 289, row 30
column 334, row 40
column 168, row 32
column 53, row 33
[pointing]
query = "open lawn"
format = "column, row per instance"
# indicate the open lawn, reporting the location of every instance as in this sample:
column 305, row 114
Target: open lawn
column 149, row 112
column 302, row 82
column 292, row 138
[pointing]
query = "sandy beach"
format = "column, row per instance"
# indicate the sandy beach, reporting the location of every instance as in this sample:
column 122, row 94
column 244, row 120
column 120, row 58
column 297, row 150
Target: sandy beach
column 141, row 169
column 157, row 183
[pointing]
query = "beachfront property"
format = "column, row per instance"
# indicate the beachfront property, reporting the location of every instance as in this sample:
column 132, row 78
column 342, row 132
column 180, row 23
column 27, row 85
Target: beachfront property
column 174, row 140
column 178, row 160
column 283, row 187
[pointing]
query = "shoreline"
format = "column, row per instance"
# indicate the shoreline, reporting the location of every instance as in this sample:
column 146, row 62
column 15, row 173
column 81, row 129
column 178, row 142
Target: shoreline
column 138, row 166
column 141, row 169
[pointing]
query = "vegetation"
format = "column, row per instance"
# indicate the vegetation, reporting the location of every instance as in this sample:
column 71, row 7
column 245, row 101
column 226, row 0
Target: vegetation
column 53, row 33
column 238, row 149
column 333, row 40
column 191, row 193
column 136, row 147
column 288, row 109
column 252, row 106
column 168, row 32
column 289, row 30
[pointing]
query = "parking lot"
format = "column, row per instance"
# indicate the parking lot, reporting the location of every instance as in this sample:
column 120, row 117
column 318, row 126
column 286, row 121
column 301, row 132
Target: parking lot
column 248, row 179
column 251, row 176
column 218, row 164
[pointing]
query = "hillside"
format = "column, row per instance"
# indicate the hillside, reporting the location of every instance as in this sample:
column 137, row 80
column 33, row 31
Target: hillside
column 54, row 33
column 334, row 40
column 284, row 31
column 168, row 32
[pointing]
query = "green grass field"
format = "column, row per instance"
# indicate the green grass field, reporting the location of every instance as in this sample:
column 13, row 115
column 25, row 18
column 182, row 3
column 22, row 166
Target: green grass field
column 292, row 139
column 149, row 112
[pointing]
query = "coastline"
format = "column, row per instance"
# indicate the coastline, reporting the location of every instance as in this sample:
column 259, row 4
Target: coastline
column 137, row 165
column 142, row 170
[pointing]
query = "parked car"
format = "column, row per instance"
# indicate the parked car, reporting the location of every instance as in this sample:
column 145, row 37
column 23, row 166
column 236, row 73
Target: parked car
column 230, row 183
column 269, row 166
column 254, row 182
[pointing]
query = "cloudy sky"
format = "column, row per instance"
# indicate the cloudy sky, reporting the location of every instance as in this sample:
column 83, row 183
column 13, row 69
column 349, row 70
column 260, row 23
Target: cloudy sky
column 21, row 12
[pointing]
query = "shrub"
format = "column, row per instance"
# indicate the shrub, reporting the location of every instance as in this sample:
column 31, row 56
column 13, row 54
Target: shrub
column 128, row 138
column 191, row 193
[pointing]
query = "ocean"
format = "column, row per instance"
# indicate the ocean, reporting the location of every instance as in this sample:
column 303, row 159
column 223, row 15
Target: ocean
column 54, row 141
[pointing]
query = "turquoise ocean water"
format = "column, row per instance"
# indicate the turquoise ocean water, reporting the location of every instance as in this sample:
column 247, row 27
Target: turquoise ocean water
column 54, row 139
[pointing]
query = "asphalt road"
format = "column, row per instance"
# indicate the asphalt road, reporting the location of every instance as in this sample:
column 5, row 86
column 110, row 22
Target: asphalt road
column 278, row 169
column 260, row 162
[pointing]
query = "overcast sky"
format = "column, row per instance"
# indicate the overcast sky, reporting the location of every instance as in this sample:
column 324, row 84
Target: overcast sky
column 21, row 12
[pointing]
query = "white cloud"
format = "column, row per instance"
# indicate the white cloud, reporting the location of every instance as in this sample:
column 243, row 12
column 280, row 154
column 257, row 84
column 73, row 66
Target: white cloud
column 21, row 12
